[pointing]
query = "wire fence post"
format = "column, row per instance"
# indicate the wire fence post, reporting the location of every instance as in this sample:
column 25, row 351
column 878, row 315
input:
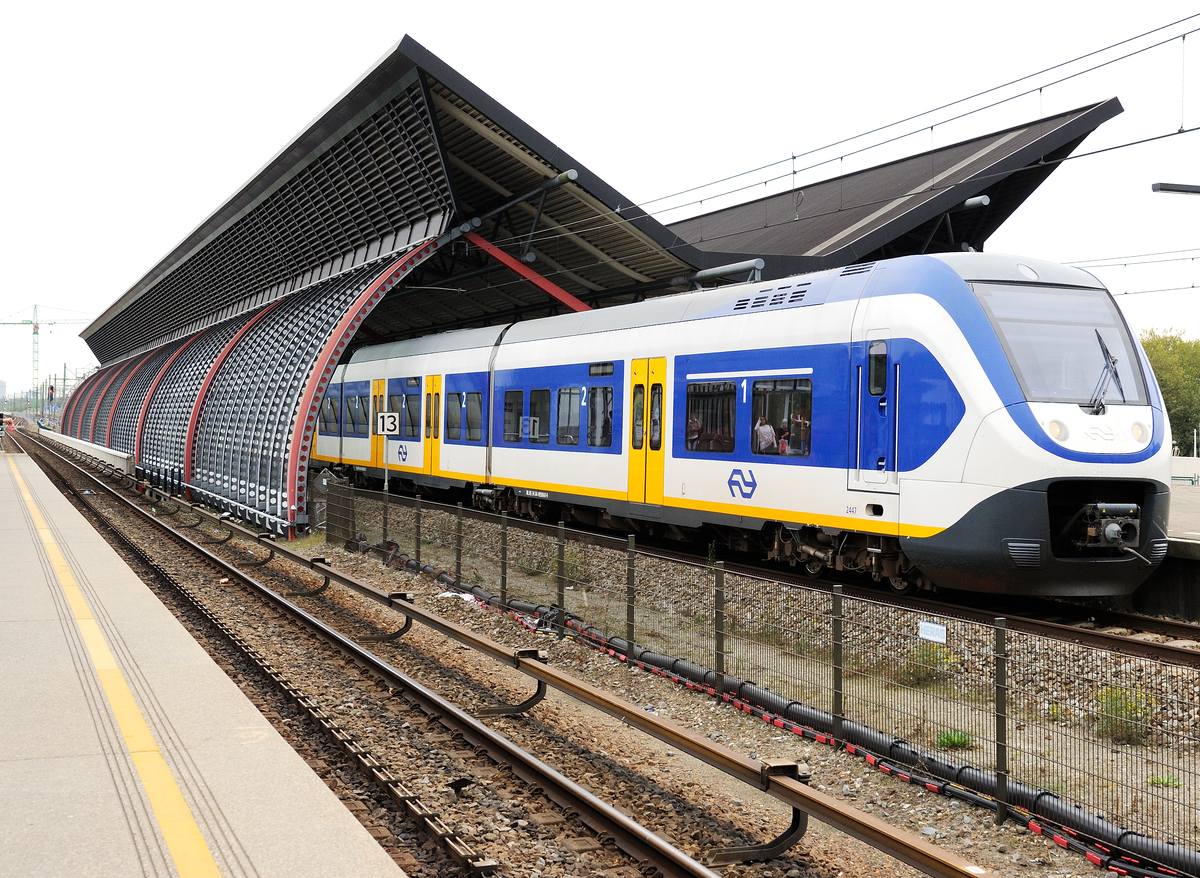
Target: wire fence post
column 839, row 708
column 1001, row 722
column 561, row 564
column 504, row 558
column 417, row 532
column 630, row 597
column 719, row 621
column 458, row 545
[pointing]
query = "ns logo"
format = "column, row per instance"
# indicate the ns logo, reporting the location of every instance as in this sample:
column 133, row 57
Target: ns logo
column 743, row 483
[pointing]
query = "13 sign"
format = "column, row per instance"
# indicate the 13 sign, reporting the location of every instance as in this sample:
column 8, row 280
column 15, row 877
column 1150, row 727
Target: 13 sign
column 387, row 423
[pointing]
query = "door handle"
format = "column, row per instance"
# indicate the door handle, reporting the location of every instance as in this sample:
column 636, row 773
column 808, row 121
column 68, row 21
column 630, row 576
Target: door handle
column 883, row 405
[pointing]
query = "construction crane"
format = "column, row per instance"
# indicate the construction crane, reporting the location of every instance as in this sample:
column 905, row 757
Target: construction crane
column 34, row 323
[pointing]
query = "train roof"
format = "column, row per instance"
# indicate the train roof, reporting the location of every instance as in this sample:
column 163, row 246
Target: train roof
column 804, row 290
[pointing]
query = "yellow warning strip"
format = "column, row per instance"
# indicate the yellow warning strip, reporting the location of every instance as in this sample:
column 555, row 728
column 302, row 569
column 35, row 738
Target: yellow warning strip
column 187, row 846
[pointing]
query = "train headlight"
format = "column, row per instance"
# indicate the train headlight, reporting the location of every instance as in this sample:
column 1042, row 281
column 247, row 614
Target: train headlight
column 1140, row 433
column 1058, row 431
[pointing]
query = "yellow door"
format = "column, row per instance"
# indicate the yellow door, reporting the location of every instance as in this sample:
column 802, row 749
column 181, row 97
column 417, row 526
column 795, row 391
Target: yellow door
column 656, row 428
column 378, row 440
column 433, row 423
column 647, row 427
column 637, row 431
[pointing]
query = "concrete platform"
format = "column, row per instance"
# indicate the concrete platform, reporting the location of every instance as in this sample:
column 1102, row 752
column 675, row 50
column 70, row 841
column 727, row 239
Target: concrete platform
column 124, row 750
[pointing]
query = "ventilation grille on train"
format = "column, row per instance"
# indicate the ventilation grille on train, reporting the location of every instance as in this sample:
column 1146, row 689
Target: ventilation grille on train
column 773, row 298
column 1025, row 553
column 857, row 269
column 1158, row 551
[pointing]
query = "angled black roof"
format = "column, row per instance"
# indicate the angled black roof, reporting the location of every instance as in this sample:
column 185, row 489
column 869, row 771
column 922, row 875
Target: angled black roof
column 413, row 149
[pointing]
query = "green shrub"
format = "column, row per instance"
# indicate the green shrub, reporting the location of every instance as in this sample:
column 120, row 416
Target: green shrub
column 1124, row 714
column 1166, row 780
column 953, row 739
column 926, row 663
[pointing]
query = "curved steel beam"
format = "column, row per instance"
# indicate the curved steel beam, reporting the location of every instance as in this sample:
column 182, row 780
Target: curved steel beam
column 306, row 417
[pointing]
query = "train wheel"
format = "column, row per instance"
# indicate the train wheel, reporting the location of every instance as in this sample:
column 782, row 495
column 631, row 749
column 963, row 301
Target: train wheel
column 814, row 568
column 898, row 585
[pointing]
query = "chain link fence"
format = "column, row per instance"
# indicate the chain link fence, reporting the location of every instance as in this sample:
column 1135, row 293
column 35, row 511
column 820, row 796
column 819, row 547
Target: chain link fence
column 1034, row 721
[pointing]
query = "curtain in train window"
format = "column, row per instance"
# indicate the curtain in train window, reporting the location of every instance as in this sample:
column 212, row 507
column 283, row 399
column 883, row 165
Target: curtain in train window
column 514, row 409
column 782, row 412
column 568, row 416
column 711, row 410
column 474, row 417
column 600, row 412
column 454, row 410
column 539, row 416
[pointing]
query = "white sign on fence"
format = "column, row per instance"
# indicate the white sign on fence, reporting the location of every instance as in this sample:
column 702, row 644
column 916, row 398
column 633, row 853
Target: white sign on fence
column 931, row 631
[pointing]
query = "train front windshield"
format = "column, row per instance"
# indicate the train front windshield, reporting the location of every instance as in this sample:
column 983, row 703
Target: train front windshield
column 1057, row 339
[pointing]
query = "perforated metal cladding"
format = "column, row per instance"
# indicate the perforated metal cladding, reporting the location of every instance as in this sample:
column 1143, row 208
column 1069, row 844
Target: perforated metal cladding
column 129, row 406
column 243, row 435
column 378, row 189
column 164, row 431
column 82, row 408
column 104, row 409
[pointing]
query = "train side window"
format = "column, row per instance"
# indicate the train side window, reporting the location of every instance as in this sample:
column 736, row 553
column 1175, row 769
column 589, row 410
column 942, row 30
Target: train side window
column 539, row 416
column 638, row 415
column 600, row 411
column 349, row 405
column 514, row 409
column 656, row 416
column 782, row 412
column 877, row 368
column 395, row 402
column 364, row 416
column 437, row 418
column 412, row 415
column 474, row 417
column 454, row 412
column 711, row 410
column 568, row 416
column 329, row 416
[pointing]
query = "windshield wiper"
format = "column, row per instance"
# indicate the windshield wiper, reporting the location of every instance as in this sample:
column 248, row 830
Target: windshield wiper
column 1096, row 403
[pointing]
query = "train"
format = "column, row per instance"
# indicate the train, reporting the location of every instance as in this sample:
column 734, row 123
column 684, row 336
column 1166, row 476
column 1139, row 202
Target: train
column 966, row 421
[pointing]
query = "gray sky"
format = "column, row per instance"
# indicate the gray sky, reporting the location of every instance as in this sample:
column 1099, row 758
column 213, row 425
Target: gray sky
column 127, row 124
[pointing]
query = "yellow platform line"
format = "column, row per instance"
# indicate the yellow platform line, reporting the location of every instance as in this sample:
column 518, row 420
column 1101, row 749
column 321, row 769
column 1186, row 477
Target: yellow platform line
column 188, row 848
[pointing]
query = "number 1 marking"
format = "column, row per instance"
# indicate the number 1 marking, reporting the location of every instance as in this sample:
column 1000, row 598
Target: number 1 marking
column 743, row 390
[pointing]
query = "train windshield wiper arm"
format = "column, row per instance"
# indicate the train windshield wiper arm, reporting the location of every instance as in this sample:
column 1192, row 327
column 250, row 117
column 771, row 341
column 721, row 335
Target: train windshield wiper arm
column 1096, row 403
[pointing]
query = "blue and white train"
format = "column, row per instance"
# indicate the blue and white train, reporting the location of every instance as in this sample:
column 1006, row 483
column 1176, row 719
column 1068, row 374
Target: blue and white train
column 969, row 421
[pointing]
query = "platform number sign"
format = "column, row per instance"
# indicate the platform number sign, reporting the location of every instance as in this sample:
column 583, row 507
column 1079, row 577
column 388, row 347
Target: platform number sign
column 387, row 423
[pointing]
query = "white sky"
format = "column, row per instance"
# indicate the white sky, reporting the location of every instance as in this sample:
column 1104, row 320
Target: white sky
column 127, row 124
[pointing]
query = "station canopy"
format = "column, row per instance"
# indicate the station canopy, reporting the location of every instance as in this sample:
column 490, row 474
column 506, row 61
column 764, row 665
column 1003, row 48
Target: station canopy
column 416, row 204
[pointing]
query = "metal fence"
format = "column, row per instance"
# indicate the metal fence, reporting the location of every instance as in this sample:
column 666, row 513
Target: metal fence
column 1048, row 722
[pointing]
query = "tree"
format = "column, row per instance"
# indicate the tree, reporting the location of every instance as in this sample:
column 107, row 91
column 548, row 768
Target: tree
column 1176, row 364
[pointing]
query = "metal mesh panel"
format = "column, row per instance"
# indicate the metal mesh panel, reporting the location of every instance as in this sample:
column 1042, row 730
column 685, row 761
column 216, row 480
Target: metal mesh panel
column 243, row 436
column 375, row 191
column 164, row 434
column 104, row 409
column 129, row 406
column 88, row 423
column 80, row 416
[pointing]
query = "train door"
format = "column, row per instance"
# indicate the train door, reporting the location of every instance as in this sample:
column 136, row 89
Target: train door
column 378, row 439
column 647, row 417
column 433, row 423
column 874, row 383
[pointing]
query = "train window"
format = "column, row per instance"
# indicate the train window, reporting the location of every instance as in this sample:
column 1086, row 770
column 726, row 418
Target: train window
column 600, row 410
column 568, row 416
column 412, row 415
column 474, row 417
column 364, row 416
column 782, row 412
column 600, row 370
column 329, row 416
column 638, row 414
column 877, row 368
column 656, row 416
column 412, row 382
column 428, row 411
column 454, row 411
column 539, row 416
column 437, row 420
column 349, row 409
column 395, row 402
column 514, row 409
column 711, row 407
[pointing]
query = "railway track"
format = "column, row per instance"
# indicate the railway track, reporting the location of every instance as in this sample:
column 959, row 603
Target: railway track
column 605, row 822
